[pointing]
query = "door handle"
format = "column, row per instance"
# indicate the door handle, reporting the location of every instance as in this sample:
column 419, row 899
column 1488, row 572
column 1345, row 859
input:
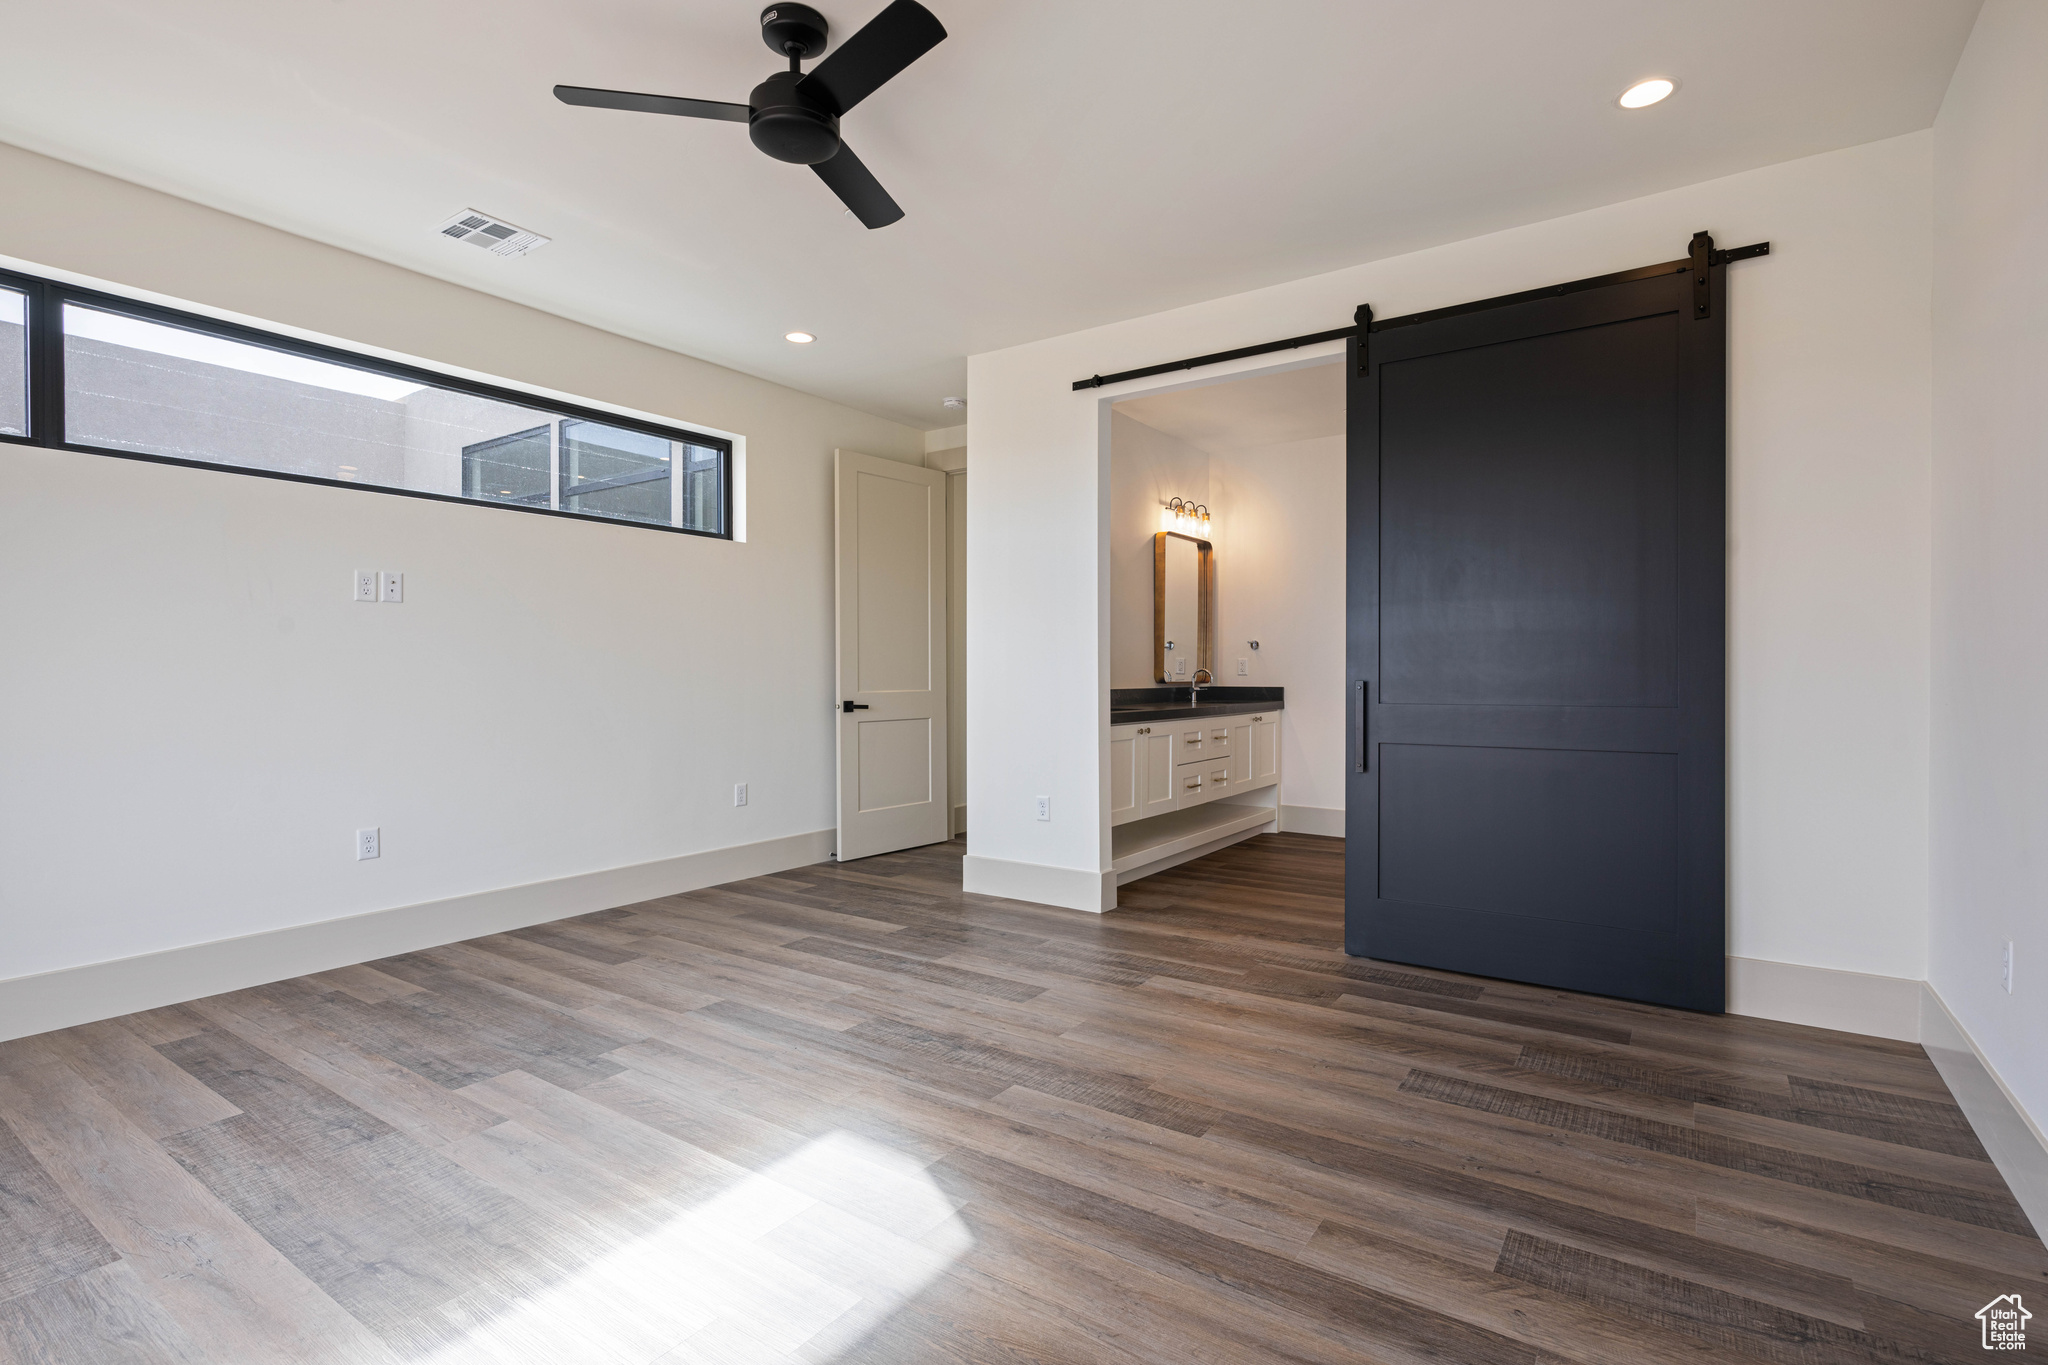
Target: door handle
column 1358, row 724
column 853, row 706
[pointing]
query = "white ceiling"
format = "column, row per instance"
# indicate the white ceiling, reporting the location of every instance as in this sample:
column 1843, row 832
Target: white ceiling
column 1249, row 414
column 1063, row 163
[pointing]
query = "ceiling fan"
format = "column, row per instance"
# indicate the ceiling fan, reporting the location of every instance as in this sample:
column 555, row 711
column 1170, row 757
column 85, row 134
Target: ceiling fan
column 795, row 117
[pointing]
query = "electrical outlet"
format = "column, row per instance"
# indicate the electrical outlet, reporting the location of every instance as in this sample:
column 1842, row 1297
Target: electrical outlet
column 1045, row 808
column 739, row 794
column 1244, row 668
column 366, row 585
column 2005, row 974
column 366, row 844
column 391, row 586
column 1181, row 664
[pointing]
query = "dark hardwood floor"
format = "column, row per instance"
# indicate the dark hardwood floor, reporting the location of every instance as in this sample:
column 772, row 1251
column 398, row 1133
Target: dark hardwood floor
column 848, row 1113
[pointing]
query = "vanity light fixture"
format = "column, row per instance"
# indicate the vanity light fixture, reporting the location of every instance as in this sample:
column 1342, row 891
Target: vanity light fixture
column 800, row 338
column 1643, row 94
column 1186, row 518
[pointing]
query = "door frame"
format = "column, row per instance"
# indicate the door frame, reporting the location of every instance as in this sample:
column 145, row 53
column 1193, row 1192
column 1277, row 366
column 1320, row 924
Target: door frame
column 849, row 710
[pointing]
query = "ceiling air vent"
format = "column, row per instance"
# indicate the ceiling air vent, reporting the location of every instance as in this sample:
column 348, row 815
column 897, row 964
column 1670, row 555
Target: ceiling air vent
column 493, row 235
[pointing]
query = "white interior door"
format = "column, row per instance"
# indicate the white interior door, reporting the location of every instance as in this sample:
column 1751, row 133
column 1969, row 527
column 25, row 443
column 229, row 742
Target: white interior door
column 892, row 655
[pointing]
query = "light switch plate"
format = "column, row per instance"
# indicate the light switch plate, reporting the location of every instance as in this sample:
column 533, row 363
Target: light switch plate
column 391, row 587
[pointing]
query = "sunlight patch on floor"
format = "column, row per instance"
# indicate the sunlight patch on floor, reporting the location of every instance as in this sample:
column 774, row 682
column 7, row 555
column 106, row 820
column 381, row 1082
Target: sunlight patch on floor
column 815, row 1251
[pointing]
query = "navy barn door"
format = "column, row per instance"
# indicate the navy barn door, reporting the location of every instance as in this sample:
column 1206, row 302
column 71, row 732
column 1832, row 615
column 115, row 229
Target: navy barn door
column 1536, row 607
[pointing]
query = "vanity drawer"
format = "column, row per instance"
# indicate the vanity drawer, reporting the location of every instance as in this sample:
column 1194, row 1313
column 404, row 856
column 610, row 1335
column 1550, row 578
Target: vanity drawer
column 1204, row 780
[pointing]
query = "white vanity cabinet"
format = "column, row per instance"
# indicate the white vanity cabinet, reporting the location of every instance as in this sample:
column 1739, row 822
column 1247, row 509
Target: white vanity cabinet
column 1166, row 766
column 1141, row 767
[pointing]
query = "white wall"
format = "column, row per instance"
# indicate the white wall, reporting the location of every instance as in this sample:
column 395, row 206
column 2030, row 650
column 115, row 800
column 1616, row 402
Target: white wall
column 1828, row 568
column 1990, row 808
column 1283, row 508
column 195, row 717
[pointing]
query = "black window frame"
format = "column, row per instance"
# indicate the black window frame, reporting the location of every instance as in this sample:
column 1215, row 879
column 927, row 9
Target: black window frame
column 45, row 355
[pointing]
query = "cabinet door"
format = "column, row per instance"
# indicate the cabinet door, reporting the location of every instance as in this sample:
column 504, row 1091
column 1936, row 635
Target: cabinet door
column 1155, row 773
column 1123, row 775
column 1241, row 753
column 1266, row 749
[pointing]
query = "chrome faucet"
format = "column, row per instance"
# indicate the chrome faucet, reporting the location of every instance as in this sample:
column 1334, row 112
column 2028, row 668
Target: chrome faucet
column 1201, row 680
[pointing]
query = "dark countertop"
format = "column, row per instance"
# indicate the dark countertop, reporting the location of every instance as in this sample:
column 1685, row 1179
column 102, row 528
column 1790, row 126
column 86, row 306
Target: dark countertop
column 1136, row 705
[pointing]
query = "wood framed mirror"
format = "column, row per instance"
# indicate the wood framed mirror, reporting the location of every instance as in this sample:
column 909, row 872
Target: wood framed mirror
column 1183, row 607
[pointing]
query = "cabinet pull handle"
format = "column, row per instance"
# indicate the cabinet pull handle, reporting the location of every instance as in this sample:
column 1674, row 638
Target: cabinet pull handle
column 1358, row 724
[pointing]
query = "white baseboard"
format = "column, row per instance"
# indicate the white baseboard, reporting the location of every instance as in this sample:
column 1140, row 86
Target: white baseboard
column 102, row 990
column 2010, row 1135
column 1911, row 1011
column 1854, row 1002
column 1070, row 888
column 1321, row 820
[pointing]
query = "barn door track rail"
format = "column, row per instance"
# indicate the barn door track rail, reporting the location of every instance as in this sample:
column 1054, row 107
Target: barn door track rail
column 1701, row 256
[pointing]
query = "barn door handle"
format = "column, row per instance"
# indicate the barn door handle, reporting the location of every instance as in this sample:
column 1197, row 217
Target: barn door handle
column 1358, row 724
column 853, row 706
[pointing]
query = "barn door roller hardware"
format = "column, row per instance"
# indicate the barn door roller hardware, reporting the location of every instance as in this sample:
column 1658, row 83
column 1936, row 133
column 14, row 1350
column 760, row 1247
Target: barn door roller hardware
column 1701, row 255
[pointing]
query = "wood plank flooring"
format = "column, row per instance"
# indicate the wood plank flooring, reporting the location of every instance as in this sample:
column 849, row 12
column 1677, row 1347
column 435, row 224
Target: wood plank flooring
column 849, row 1113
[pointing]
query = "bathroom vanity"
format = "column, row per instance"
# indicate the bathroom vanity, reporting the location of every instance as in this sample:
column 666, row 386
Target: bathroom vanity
column 1186, row 779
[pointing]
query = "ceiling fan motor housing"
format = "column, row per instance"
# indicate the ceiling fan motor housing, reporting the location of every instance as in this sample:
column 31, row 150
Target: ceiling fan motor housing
column 790, row 125
column 793, row 30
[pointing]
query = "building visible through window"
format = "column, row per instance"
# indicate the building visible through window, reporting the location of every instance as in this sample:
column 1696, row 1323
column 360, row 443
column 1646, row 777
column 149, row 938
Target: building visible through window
column 601, row 470
column 152, row 383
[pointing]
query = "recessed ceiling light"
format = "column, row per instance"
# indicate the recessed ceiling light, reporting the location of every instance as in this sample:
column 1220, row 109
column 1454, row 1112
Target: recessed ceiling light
column 1645, row 93
column 800, row 338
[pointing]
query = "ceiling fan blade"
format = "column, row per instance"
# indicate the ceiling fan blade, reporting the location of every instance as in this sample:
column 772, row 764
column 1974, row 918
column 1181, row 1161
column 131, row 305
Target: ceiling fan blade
column 890, row 41
column 651, row 104
column 849, row 178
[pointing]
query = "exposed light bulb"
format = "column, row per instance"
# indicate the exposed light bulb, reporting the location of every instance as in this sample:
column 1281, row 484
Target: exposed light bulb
column 1185, row 518
column 1643, row 94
